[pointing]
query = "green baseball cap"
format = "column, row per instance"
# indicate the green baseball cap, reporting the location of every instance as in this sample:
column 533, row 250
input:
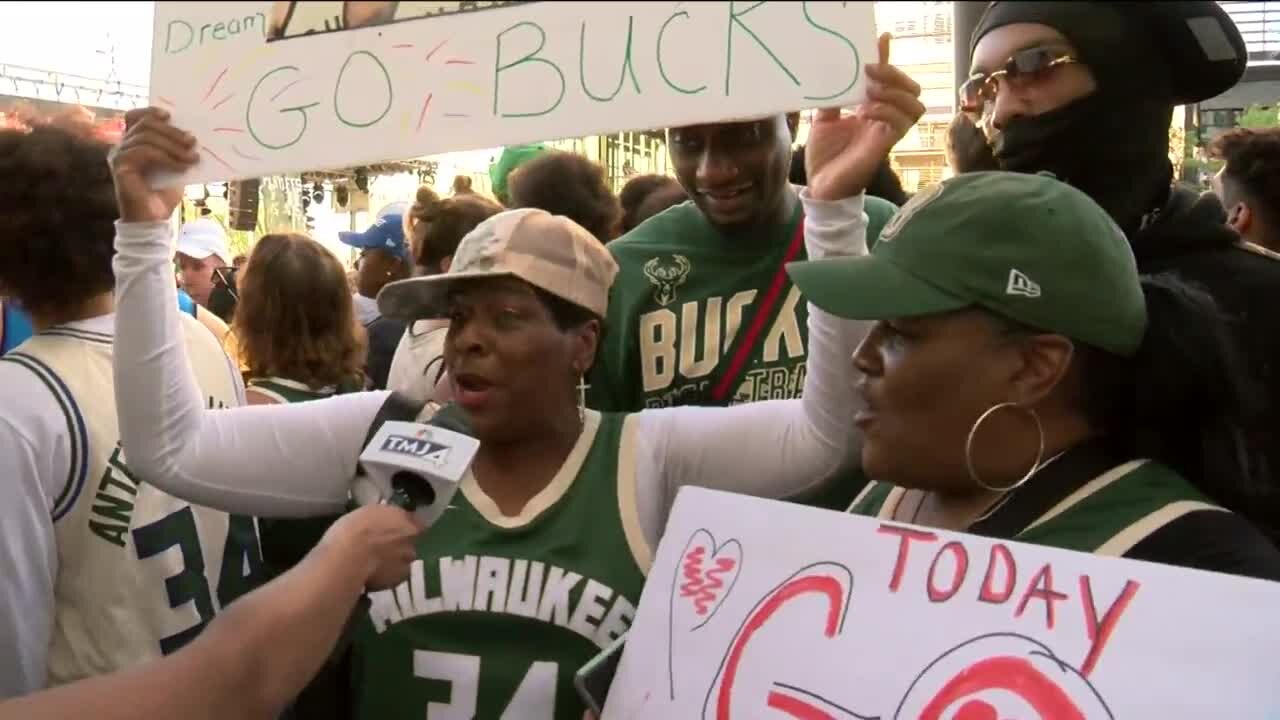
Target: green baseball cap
column 1026, row 247
column 512, row 157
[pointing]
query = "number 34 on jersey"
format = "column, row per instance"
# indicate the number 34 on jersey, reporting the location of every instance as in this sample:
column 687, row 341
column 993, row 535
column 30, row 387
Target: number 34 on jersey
column 486, row 637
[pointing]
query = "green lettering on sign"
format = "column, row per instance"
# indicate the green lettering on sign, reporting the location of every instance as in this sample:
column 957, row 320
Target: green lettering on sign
column 531, row 57
column 662, row 70
column 337, row 90
column 857, row 60
column 627, row 69
column 300, row 109
column 735, row 20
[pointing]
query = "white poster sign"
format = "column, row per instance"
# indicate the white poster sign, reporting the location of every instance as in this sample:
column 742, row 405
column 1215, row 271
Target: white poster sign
column 758, row 609
column 274, row 87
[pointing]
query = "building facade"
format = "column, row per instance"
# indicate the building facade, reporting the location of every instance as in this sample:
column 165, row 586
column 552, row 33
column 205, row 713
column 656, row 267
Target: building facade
column 923, row 48
column 1259, row 23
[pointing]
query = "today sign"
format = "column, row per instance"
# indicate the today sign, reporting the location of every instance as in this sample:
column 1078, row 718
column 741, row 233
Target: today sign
column 276, row 87
column 757, row 608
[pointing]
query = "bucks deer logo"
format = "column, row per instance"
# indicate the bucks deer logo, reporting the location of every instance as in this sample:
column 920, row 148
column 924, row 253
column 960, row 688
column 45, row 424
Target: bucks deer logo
column 666, row 276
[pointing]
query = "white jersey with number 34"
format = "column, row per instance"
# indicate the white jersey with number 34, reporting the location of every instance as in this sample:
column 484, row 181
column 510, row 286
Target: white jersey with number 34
column 140, row 573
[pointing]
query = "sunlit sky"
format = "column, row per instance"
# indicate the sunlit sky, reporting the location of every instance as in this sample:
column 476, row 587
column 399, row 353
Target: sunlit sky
column 80, row 38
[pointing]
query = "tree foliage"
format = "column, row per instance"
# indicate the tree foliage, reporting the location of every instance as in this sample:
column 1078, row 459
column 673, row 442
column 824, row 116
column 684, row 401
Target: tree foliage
column 1260, row 116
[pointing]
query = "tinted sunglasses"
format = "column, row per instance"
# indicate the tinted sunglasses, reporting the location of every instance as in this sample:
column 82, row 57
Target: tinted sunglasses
column 1020, row 70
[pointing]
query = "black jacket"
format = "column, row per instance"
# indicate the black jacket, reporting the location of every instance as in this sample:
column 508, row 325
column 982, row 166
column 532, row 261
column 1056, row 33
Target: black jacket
column 384, row 337
column 1190, row 238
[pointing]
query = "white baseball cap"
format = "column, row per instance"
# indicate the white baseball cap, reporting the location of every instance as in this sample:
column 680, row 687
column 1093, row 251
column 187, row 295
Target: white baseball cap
column 204, row 237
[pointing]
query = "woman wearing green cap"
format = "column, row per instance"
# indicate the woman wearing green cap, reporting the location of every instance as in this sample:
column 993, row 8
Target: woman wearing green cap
column 1087, row 90
column 1022, row 381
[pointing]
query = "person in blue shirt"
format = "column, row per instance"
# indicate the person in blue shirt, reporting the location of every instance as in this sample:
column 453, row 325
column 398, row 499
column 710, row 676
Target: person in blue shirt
column 384, row 258
column 15, row 325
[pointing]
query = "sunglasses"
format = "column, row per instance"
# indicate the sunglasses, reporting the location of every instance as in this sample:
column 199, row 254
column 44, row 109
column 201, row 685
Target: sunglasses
column 1020, row 70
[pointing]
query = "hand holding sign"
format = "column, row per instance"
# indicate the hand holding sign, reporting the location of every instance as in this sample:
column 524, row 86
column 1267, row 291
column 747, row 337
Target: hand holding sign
column 844, row 152
column 151, row 145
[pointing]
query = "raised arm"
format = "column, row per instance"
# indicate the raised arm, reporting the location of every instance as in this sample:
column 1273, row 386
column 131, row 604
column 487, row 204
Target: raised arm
column 277, row 460
column 783, row 448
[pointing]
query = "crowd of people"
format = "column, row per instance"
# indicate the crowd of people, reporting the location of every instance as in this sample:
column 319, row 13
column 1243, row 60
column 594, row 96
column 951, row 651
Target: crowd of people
column 1059, row 345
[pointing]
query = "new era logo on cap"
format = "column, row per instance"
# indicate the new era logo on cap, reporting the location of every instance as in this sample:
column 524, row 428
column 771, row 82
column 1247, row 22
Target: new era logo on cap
column 1020, row 284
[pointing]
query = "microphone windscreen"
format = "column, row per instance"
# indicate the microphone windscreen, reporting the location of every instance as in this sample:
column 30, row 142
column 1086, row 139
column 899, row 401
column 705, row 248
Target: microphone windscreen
column 452, row 417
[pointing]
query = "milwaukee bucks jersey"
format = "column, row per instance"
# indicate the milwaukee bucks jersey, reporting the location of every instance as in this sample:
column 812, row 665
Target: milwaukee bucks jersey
column 283, row 391
column 140, row 573
column 684, row 297
column 286, row 541
column 1107, row 516
column 499, row 612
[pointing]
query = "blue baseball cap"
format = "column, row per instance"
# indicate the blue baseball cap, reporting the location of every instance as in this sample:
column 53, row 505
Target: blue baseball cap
column 386, row 233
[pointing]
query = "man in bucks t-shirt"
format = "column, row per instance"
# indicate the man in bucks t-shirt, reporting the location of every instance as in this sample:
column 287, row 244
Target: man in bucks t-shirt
column 702, row 311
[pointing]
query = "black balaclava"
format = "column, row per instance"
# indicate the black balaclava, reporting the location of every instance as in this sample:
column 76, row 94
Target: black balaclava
column 1113, row 144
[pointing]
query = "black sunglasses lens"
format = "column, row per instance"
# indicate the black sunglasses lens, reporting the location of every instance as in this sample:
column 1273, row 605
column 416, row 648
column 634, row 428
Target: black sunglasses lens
column 1029, row 62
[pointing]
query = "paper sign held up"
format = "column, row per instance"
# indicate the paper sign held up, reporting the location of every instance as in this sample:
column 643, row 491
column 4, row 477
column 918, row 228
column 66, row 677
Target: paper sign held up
column 760, row 609
column 275, row 87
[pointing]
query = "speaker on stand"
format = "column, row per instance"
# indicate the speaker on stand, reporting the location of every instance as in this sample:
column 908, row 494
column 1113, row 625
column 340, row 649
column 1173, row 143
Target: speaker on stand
column 242, row 204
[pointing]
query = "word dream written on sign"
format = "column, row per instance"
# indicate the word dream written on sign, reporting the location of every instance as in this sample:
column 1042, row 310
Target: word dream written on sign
column 758, row 609
column 291, row 86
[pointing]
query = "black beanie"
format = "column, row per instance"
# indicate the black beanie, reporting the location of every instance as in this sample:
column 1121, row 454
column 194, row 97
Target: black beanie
column 1184, row 51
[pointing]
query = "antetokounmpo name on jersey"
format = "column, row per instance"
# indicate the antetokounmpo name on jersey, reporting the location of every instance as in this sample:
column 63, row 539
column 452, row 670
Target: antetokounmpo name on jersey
column 112, row 510
column 523, row 588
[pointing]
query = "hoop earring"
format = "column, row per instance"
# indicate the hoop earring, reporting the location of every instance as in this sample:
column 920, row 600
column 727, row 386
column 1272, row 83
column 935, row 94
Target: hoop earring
column 973, row 431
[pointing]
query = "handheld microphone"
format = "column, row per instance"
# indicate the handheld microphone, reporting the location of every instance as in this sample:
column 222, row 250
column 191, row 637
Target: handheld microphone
column 414, row 466
column 417, row 466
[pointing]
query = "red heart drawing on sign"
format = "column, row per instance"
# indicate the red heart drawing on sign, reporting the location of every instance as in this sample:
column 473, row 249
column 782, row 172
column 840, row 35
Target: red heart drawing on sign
column 707, row 573
column 704, row 577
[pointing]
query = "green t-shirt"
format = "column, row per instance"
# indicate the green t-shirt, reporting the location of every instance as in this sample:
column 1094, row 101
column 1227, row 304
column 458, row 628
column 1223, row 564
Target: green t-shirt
column 499, row 613
column 683, row 293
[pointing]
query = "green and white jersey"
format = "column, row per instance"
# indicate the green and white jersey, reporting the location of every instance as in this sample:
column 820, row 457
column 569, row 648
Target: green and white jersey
column 138, row 573
column 286, row 541
column 285, row 391
column 679, row 304
column 1108, row 515
column 499, row 612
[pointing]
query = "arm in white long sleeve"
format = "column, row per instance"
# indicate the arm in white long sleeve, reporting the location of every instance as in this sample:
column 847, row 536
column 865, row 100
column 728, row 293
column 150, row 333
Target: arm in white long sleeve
column 265, row 460
column 776, row 448
column 28, row 556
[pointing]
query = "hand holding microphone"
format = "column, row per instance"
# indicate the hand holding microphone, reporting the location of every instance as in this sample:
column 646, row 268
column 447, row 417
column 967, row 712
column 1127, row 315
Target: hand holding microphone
column 378, row 540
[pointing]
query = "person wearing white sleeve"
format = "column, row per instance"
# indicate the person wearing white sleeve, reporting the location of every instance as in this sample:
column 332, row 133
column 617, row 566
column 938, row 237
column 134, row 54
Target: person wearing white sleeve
column 97, row 572
column 31, row 423
column 540, row 561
